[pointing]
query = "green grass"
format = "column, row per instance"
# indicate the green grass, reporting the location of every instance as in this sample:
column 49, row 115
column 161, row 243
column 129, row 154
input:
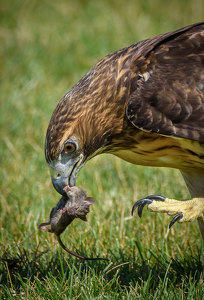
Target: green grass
column 46, row 46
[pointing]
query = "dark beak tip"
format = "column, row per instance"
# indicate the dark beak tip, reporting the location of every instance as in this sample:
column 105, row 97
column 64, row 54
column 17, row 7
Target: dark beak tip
column 59, row 184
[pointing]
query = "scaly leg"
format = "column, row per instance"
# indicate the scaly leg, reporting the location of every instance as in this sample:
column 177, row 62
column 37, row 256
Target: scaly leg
column 185, row 211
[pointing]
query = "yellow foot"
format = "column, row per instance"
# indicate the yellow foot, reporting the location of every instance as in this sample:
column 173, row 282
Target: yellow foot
column 185, row 211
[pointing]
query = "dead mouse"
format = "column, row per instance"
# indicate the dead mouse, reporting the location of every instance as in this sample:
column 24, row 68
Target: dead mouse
column 75, row 204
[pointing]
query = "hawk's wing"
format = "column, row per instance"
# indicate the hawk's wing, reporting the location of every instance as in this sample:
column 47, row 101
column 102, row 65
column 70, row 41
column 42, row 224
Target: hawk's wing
column 168, row 96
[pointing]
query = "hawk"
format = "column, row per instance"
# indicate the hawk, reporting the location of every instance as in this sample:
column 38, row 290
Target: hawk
column 144, row 104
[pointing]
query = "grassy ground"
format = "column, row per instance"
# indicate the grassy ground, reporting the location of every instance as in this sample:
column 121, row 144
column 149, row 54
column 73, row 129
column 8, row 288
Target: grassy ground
column 46, row 46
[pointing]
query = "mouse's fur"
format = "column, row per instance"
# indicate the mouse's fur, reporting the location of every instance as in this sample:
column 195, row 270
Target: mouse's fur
column 74, row 204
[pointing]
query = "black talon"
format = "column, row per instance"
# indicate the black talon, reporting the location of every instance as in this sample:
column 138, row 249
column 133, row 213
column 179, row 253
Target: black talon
column 147, row 200
column 176, row 218
column 140, row 209
column 156, row 197
column 141, row 203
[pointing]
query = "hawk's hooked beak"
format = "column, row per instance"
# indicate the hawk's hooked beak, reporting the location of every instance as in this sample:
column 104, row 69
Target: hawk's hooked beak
column 64, row 173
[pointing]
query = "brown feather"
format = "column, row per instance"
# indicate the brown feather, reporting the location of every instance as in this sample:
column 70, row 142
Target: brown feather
column 171, row 100
column 159, row 83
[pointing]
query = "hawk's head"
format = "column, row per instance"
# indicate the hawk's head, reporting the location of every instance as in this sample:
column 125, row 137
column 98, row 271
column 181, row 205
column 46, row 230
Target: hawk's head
column 85, row 119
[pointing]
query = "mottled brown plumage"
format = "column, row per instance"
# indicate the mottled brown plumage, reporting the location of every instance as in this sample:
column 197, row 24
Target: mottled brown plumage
column 169, row 102
column 144, row 103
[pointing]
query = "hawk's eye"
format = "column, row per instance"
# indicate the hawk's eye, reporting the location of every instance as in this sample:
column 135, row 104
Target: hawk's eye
column 69, row 148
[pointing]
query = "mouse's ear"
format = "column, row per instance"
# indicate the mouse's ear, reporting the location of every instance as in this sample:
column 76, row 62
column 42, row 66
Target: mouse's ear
column 43, row 227
column 83, row 218
column 90, row 200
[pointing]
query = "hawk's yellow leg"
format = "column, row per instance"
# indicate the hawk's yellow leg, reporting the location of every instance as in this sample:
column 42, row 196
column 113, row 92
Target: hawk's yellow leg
column 185, row 211
column 190, row 209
